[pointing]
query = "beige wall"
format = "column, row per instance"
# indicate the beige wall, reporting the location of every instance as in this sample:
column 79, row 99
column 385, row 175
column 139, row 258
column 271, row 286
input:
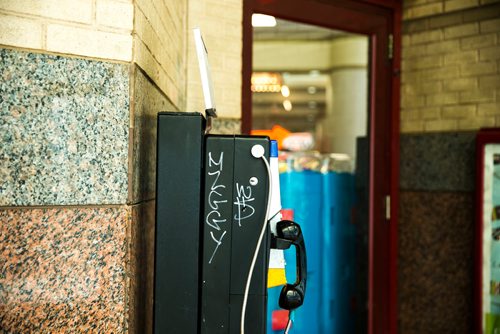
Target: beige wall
column 347, row 115
column 160, row 46
column 93, row 28
column 450, row 66
column 300, row 55
column 221, row 26
column 286, row 55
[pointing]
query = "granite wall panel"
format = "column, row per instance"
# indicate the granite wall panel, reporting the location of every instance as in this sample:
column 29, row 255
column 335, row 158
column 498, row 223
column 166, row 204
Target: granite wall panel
column 226, row 126
column 142, row 240
column 438, row 161
column 436, row 248
column 64, row 270
column 64, row 129
column 436, row 232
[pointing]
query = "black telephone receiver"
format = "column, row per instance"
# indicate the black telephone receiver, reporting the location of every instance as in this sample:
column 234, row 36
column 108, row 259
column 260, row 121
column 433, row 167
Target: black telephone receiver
column 289, row 233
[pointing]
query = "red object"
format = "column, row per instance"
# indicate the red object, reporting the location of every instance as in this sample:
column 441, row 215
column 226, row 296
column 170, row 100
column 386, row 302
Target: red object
column 287, row 214
column 279, row 319
column 379, row 20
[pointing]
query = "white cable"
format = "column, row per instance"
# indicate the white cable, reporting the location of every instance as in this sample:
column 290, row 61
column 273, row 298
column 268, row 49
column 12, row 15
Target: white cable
column 288, row 326
column 262, row 232
column 289, row 322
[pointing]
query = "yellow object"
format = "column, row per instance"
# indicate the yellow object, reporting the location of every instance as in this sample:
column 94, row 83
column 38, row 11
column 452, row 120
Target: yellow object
column 276, row 277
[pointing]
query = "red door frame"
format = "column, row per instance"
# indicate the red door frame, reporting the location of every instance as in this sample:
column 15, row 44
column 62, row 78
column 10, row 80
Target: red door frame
column 377, row 19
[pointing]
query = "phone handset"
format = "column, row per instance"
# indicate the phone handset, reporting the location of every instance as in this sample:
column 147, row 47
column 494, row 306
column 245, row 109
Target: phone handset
column 288, row 234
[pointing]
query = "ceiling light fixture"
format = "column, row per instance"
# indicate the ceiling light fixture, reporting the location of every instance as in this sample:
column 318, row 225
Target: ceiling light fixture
column 287, row 105
column 285, row 91
column 266, row 82
column 261, row 20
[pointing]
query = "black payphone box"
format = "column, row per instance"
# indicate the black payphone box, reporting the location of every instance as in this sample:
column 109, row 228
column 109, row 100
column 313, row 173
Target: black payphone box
column 179, row 194
column 235, row 203
column 210, row 208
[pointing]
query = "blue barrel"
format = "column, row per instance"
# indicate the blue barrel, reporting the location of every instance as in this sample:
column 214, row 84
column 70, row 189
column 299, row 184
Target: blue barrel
column 302, row 192
column 272, row 305
column 338, row 254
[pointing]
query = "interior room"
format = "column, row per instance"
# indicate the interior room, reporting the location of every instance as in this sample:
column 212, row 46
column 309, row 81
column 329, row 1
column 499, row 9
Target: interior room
column 386, row 116
column 310, row 93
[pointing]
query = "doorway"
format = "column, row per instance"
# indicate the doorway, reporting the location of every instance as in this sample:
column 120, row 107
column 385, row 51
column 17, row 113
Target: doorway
column 367, row 141
column 310, row 93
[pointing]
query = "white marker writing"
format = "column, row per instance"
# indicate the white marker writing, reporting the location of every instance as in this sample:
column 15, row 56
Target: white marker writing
column 245, row 210
column 214, row 218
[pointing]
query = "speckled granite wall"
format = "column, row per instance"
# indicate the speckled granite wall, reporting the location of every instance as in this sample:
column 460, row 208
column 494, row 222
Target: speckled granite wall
column 71, row 137
column 226, row 126
column 436, row 242
column 64, row 130
column 142, row 268
column 436, row 233
column 438, row 161
column 64, row 270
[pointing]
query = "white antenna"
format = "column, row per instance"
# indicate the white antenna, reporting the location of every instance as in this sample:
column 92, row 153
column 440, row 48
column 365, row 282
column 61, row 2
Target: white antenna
column 206, row 79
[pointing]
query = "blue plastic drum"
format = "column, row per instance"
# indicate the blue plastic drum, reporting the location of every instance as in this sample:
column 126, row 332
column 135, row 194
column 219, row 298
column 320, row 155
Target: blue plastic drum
column 338, row 254
column 302, row 191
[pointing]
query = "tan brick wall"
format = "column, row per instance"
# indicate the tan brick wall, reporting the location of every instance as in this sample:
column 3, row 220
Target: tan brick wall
column 160, row 45
column 220, row 22
column 422, row 8
column 93, row 28
column 450, row 67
